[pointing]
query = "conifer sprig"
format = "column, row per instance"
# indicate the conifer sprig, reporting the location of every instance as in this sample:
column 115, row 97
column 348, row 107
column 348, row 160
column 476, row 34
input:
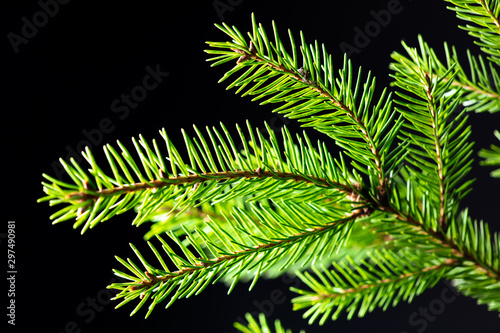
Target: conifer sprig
column 342, row 106
column 215, row 172
column 384, row 280
column 492, row 156
column 483, row 14
column 478, row 81
column 241, row 246
column 234, row 212
column 439, row 134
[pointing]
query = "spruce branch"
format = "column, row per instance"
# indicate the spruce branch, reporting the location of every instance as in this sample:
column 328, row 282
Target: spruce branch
column 360, row 241
column 474, row 242
column 492, row 157
column 342, row 107
column 414, row 75
column 263, row 166
column 385, row 279
column 232, row 214
column 470, row 243
column 439, row 135
column 479, row 85
column 486, row 25
column 448, row 171
column 468, row 254
column 240, row 247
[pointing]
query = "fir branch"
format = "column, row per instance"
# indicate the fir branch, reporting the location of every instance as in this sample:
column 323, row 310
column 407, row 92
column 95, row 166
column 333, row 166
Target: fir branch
column 412, row 76
column 492, row 157
column 475, row 243
column 385, row 279
column 341, row 107
column 433, row 109
column 479, row 86
column 486, row 26
column 359, row 242
column 268, row 207
column 472, row 246
column 263, row 166
column 439, row 135
column 471, row 261
column 256, row 249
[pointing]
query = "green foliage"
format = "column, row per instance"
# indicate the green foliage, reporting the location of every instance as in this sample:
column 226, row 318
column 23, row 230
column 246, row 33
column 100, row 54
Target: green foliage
column 492, row 156
column 478, row 276
column 483, row 14
column 291, row 230
column 478, row 83
column 343, row 106
column 264, row 166
column 385, row 279
column 377, row 224
column 438, row 133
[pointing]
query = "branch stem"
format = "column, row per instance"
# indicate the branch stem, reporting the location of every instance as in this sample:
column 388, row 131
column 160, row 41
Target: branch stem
column 322, row 296
column 438, row 148
column 252, row 54
column 198, row 178
column 278, row 243
column 442, row 239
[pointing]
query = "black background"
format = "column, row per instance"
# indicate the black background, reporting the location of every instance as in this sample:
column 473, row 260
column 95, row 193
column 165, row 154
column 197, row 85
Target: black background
column 62, row 82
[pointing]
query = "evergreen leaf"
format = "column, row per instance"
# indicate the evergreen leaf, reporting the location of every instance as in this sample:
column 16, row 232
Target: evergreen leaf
column 477, row 83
